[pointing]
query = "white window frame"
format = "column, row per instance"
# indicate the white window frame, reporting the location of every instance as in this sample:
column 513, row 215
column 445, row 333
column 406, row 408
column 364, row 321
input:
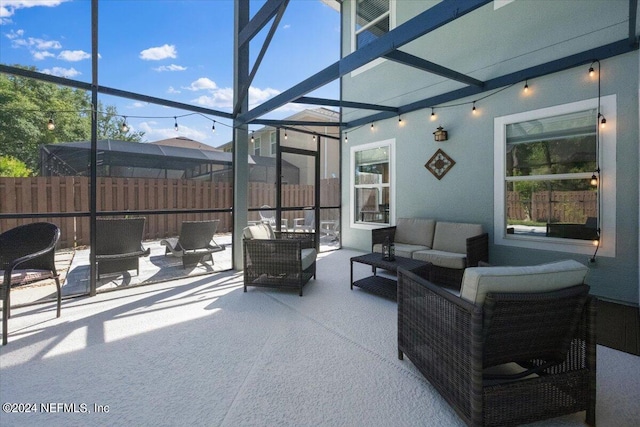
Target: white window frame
column 390, row 144
column 607, row 184
column 257, row 146
column 272, row 139
column 392, row 25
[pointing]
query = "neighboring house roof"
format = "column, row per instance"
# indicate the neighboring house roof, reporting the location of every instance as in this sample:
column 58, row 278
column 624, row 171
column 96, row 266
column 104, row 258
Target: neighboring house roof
column 310, row 114
column 184, row 142
column 72, row 157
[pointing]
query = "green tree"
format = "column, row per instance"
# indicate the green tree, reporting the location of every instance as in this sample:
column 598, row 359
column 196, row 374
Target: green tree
column 26, row 105
column 10, row 166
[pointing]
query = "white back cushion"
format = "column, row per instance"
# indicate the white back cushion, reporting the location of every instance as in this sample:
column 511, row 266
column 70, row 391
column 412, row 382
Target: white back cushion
column 452, row 236
column 258, row 231
column 415, row 231
column 478, row 281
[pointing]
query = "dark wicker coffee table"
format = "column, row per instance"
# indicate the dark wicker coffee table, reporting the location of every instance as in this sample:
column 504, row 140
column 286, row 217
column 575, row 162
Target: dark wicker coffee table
column 385, row 286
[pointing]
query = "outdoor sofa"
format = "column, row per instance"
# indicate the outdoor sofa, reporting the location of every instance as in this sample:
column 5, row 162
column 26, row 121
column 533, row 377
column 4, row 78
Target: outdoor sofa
column 449, row 246
column 515, row 346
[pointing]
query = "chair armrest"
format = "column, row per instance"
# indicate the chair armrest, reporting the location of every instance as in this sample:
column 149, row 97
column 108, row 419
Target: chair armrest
column 379, row 235
column 441, row 334
column 477, row 249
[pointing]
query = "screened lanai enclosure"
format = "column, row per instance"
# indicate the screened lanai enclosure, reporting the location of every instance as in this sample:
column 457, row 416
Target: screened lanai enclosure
column 92, row 168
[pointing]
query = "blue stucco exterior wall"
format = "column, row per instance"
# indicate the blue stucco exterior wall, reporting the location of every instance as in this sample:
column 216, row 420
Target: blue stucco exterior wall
column 465, row 194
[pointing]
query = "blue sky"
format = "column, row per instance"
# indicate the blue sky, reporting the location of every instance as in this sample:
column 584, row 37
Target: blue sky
column 178, row 50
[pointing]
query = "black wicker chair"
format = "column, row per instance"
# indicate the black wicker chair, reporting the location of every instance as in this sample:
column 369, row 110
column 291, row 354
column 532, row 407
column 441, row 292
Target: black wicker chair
column 544, row 345
column 195, row 243
column 27, row 247
column 119, row 244
column 280, row 259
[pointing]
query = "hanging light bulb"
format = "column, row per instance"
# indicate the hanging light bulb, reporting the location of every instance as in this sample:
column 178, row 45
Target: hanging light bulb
column 124, row 127
column 591, row 70
column 175, row 125
column 594, row 180
column 285, row 135
column 314, row 137
column 252, row 138
column 473, row 110
column 371, row 126
column 399, row 119
column 433, row 114
column 213, row 127
column 526, row 86
column 51, row 125
column 346, row 138
column 603, row 121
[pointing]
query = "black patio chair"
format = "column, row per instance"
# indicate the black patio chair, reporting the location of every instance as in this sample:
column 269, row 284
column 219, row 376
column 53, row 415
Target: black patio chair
column 195, row 243
column 27, row 248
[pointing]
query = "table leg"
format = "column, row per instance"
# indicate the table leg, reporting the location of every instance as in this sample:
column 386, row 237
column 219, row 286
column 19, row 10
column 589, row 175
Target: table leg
column 351, row 275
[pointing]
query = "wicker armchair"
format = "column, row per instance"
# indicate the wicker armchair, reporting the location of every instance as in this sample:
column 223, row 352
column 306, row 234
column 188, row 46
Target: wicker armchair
column 195, row 243
column 119, row 244
column 513, row 359
column 23, row 248
column 280, row 259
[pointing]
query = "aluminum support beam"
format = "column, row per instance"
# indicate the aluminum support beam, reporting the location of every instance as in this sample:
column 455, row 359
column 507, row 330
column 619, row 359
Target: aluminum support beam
column 285, row 122
column 111, row 91
column 245, row 90
column 240, row 132
column 261, row 18
column 347, row 104
column 586, row 57
column 422, row 64
column 429, row 20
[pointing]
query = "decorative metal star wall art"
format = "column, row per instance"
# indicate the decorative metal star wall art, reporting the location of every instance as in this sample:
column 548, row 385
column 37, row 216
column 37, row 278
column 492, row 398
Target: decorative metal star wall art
column 439, row 164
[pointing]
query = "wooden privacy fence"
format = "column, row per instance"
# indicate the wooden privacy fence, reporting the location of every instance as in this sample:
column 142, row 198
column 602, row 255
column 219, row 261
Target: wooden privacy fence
column 70, row 194
column 553, row 206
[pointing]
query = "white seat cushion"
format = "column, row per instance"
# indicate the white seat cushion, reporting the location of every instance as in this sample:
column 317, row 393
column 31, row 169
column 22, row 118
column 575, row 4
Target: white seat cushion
column 442, row 259
column 478, row 281
column 308, row 257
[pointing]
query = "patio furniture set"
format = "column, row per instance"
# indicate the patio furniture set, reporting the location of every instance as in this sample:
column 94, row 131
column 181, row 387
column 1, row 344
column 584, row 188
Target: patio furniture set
column 503, row 346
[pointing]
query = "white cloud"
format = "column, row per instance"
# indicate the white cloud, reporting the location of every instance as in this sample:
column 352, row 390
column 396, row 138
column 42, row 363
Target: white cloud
column 62, row 72
column 172, row 90
column 202, row 83
column 73, row 55
column 39, row 56
column 223, row 97
column 258, row 96
column 15, row 34
column 172, row 67
column 17, row 40
column 220, row 98
column 8, row 7
column 286, row 26
column 158, row 53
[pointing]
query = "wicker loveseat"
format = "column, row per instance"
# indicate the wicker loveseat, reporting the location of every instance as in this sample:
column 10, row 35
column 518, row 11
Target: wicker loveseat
column 449, row 246
column 278, row 259
column 518, row 344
